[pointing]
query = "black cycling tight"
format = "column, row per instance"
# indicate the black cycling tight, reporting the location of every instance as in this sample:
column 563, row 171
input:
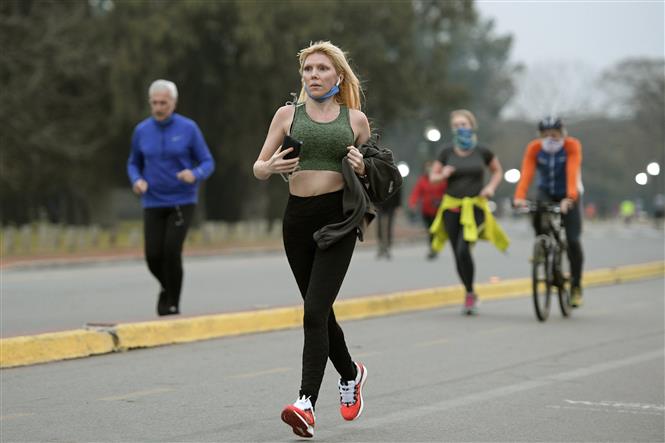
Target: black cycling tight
column 572, row 222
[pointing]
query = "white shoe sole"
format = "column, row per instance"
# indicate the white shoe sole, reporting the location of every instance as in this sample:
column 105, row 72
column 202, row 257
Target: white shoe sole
column 298, row 424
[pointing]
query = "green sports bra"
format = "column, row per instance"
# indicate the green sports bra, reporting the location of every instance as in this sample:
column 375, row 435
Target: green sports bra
column 324, row 144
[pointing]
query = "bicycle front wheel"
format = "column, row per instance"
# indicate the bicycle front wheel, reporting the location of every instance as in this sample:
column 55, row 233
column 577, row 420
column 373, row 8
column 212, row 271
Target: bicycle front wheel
column 541, row 281
column 563, row 282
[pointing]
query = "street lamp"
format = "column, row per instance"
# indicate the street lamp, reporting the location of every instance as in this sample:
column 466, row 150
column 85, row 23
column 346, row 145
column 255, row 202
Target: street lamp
column 404, row 169
column 512, row 175
column 641, row 178
column 433, row 135
column 653, row 168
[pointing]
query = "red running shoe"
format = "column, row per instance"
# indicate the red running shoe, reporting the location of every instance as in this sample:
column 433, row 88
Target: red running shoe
column 300, row 416
column 351, row 394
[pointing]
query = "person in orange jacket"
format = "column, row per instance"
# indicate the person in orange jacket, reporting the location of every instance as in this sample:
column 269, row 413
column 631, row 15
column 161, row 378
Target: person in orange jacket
column 557, row 158
column 428, row 194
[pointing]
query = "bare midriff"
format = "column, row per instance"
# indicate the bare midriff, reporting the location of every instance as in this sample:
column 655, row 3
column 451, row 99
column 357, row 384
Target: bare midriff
column 311, row 182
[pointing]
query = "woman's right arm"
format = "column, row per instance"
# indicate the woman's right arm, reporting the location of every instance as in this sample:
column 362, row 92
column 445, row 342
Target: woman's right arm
column 439, row 172
column 271, row 158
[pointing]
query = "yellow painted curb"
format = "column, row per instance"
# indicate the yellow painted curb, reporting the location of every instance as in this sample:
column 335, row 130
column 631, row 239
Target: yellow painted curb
column 156, row 333
column 42, row 348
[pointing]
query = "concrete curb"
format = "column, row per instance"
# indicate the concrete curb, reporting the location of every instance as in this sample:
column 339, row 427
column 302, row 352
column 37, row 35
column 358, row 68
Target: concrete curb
column 42, row 348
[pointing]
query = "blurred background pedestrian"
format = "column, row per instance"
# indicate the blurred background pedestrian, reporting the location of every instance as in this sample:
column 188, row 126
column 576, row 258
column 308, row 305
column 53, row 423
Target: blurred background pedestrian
column 168, row 160
column 385, row 224
column 426, row 195
column 464, row 216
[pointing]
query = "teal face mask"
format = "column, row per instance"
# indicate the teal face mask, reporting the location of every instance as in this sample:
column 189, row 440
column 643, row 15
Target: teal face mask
column 464, row 138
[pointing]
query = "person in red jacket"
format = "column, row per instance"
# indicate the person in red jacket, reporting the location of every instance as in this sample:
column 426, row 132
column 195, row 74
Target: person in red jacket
column 428, row 194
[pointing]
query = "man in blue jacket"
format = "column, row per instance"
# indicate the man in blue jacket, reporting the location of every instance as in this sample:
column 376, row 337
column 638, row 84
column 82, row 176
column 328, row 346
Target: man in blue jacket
column 168, row 160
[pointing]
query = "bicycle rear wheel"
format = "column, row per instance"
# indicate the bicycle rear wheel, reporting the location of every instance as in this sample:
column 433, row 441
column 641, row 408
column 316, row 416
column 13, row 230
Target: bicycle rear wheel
column 563, row 283
column 541, row 281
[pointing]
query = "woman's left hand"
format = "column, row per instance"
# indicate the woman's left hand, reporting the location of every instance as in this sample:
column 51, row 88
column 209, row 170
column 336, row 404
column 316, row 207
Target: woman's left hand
column 356, row 160
column 487, row 192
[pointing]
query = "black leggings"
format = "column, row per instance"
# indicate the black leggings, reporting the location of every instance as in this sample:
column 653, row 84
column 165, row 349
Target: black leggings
column 461, row 247
column 319, row 274
column 572, row 223
column 164, row 230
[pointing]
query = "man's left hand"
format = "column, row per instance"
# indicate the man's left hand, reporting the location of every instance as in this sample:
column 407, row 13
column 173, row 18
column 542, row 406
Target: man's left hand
column 566, row 205
column 187, row 176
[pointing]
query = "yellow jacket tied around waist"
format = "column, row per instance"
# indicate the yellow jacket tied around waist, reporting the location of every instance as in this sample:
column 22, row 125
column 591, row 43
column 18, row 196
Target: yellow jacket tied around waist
column 491, row 230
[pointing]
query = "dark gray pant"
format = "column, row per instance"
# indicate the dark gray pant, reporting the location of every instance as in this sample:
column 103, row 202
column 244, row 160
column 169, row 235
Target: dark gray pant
column 572, row 223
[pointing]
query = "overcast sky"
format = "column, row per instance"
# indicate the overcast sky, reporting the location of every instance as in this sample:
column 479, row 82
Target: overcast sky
column 566, row 45
column 597, row 32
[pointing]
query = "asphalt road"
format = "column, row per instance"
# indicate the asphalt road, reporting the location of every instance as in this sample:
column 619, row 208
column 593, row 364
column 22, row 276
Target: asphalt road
column 61, row 298
column 433, row 376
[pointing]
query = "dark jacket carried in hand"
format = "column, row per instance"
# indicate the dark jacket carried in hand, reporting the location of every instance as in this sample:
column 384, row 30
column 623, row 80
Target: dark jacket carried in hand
column 356, row 207
column 383, row 180
column 383, row 176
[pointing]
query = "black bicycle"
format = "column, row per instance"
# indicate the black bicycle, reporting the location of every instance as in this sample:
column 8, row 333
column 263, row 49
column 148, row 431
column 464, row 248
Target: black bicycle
column 549, row 267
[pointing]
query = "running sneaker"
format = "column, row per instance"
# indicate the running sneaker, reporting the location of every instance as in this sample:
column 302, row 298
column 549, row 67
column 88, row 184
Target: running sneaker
column 351, row 394
column 300, row 416
column 576, row 297
column 470, row 304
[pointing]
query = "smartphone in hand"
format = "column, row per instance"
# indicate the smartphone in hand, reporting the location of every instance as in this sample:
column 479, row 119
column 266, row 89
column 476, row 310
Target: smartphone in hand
column 290, row 142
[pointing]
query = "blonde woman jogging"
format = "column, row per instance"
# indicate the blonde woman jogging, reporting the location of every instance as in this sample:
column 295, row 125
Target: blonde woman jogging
column 328, row 121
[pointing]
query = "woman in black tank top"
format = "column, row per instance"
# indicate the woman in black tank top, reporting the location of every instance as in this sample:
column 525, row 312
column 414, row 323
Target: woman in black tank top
column 463, row 165
column 329, row 88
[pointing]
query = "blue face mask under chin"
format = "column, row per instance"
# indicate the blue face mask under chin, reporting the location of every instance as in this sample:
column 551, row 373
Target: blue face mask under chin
column 333, row 91
column 464, row 139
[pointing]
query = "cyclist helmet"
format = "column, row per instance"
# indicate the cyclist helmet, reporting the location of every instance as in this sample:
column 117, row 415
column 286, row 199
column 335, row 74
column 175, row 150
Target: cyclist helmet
column 550, row 122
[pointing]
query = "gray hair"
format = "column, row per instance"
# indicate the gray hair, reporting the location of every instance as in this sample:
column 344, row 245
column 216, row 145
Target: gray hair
column 161, row 85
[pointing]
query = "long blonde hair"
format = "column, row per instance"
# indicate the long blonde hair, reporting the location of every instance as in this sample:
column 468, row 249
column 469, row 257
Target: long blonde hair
column 349, row 88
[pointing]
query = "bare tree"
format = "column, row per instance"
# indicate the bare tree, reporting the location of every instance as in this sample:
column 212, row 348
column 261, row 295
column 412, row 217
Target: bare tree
column 636, row 88
column 566, row 88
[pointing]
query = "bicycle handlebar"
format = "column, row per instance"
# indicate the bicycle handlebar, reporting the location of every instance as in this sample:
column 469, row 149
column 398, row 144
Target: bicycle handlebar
column 536, row 206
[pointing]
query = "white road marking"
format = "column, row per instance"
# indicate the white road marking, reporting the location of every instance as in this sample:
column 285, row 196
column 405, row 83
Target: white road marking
column 617, row 404
column 605, row 410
